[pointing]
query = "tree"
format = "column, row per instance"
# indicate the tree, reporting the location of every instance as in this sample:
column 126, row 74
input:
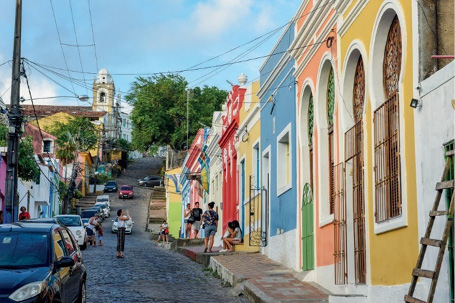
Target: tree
column 64, row 132
column 159, row 113
column 28, row 168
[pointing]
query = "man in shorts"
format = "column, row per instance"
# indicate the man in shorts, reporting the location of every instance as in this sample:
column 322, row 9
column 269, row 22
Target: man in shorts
column 197, row 215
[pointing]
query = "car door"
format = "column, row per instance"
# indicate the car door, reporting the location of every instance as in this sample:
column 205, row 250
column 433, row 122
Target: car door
column 62, row 274
column 75, row 270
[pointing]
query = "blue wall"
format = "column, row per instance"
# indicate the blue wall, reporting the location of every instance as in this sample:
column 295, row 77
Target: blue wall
column 283, row 208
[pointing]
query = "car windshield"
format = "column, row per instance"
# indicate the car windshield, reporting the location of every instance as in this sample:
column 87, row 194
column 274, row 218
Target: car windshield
column 88, row 214
column 70, row 221
column 126, row 188
column 103, row 200
column 23, row 250
column 110, row 183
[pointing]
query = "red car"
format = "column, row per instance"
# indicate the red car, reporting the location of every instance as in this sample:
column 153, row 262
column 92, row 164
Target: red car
column 126, row 191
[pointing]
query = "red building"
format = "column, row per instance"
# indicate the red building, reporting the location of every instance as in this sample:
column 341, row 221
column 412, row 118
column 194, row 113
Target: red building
column 227, row 143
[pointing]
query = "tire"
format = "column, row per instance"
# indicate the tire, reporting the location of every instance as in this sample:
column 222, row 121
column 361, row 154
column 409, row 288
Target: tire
column 84, row 246
column 82, row 298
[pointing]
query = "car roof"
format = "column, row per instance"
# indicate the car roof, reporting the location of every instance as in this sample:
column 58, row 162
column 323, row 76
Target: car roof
column 126, row 185
column 58, row 216
column 29, row 227
column 41, row 220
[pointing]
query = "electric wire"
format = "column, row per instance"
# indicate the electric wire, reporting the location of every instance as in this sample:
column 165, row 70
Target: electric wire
column 77, row 42
column 93, row 34
column 60, row 40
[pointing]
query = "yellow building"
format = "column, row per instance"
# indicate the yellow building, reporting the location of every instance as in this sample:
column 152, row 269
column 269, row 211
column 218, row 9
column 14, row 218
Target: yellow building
column 85, row 164
column 248, row 168
column 173, row 201
column 378, row 228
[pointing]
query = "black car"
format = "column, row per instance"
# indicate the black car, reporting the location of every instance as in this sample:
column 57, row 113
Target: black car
column 40, row 263
column 150, row 181
column 111, row 186
column 87, row 214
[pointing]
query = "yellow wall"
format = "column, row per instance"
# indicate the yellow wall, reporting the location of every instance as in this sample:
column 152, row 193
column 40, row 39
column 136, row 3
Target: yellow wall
column 173, row 203
column 392, row 254
column 86, row 165
column 46, row 122
column 245, row 151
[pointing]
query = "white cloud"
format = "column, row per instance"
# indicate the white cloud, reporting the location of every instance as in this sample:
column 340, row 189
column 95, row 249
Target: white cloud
column 265, row 20
column 215, row 17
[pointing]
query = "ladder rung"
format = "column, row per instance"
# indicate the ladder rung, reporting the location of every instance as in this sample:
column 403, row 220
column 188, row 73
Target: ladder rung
column 431, row 242
column 435, row 213
column 444, row 185
column 410, row 299
column 423, row 273
column 450, row 153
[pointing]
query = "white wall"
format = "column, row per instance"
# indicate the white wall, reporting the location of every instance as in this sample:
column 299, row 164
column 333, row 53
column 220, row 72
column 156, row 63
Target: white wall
column 434, row 123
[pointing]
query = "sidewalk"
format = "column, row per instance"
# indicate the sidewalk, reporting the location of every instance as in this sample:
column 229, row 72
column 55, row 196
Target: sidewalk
column 264, row 280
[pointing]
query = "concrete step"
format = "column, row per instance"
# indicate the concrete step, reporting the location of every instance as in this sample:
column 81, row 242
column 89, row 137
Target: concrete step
column 187, row 242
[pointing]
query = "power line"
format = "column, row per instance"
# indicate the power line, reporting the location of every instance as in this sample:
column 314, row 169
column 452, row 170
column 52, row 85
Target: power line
column 93, row 33
column 60, row 41
column 77, row 42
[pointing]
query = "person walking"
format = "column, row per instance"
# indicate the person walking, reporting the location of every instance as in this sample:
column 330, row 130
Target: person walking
column 197, row 215
column 122, row 218
column 100, row 234
column 187, row 216
column 210, row 219
column 24, row 215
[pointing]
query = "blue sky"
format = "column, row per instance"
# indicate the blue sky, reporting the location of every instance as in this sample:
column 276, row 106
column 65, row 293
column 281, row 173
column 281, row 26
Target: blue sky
column 139, row 37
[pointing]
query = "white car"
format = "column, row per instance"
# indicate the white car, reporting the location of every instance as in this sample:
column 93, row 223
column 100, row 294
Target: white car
column 103, row 198
column 105, row 207
column 128, row 226
column 75, row 225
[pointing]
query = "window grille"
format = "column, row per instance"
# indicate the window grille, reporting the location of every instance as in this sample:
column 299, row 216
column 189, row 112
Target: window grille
column 330, row 111
column 340, row 254
column 387, row 160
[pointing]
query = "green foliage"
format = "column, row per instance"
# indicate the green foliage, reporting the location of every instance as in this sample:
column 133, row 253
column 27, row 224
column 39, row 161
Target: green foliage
column 63, row 190
column 3, row 134
column 160, row 105
column 121, row 144
column 67, row 132
column 28, row 168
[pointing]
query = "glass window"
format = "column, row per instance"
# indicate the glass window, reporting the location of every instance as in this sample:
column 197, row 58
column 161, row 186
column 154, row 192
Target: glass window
column 68, row 242
column 47, row 144
column 24, row 249
column 70, row 221
column 59, row 246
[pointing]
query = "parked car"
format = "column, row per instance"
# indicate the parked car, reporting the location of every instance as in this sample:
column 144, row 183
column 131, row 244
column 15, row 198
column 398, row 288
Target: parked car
column 40, row 263
column 99, row 210
column 126, row 191
column 128, row 226
column 111, row 186
column 105, row 207
column 75, row 224
column 103, row 198
column 86, row 215
column 150, row 181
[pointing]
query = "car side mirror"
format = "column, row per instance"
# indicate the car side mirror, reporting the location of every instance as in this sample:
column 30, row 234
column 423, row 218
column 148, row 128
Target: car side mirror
column 112, row 220
column 85, row 224
column 64, row 262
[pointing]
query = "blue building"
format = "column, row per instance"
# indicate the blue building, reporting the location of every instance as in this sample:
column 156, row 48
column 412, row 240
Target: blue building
column 278, row 149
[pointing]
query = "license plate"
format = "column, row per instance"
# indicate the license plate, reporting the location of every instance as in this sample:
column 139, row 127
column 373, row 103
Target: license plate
column 125, row 196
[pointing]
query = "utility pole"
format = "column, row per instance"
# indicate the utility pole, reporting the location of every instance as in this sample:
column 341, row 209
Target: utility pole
column 72, row 184
column 97, row 162
column 15, row 123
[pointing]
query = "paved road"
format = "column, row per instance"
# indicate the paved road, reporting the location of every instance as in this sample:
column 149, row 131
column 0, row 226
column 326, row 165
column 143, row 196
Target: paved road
column 148, row 273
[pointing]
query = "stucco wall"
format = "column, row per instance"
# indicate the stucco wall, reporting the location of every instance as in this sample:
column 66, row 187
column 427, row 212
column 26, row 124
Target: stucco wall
column 437, row 93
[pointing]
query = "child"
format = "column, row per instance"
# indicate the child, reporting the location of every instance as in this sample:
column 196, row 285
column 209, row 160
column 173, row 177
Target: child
column 164, row 231
column 100, row 234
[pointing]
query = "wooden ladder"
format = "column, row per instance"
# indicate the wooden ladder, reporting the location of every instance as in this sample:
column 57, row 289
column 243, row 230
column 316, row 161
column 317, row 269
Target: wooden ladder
column 426, row 241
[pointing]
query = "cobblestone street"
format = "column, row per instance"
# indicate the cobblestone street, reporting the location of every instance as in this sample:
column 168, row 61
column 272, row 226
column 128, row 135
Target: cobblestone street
column 148, row 273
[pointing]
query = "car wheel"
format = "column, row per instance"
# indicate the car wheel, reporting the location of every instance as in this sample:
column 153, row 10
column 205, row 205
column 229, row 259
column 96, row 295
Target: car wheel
column 82, row 294
column 84, row 246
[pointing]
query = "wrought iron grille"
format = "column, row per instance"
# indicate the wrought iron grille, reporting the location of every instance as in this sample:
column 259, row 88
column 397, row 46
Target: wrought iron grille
column 340, row 254
column 330, row 98
column 310, row 120
column 359, row 90
column 255, row 225
column 387, row 160
column 392, row 59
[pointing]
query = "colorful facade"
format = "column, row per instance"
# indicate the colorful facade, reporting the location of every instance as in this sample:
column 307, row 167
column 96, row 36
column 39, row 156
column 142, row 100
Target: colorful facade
column 278, row 152
column 248, row 167
column 173, row 201
column 227, row 144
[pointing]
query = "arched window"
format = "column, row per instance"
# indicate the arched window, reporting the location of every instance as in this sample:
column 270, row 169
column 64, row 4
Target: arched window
column 387, row 132
column 310, row 135
column 357, row 180
column 102, row 97
column 330, row 111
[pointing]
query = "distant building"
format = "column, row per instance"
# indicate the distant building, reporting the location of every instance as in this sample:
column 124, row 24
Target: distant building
column 126, row 127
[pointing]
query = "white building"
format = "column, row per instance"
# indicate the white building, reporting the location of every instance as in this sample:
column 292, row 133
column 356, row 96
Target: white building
column 126, row 127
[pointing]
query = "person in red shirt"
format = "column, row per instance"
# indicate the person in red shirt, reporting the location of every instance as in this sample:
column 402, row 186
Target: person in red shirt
column 24, row 215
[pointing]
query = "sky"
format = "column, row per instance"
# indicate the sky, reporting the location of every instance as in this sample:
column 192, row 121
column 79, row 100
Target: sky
column 134, row 38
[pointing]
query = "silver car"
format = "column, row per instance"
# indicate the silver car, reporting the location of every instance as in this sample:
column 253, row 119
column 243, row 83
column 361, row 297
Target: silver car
column 75, row 225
